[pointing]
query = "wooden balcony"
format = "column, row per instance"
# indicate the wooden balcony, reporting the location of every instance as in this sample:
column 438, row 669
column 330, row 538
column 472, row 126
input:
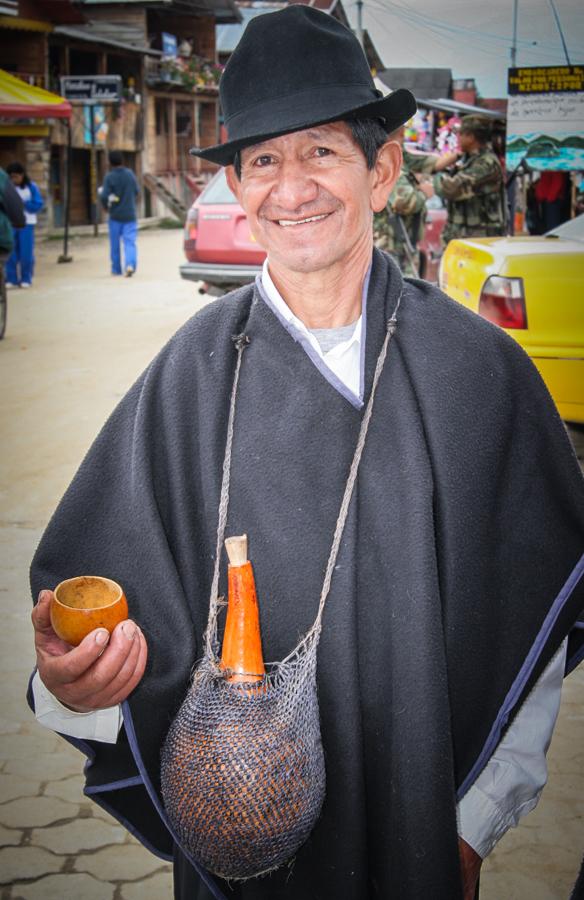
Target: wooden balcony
column 170, row 75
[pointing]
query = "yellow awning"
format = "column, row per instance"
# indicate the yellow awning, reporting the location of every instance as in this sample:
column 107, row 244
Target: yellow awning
column 19, row 100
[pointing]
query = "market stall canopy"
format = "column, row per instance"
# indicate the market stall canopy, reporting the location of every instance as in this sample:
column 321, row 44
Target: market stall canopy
column 455, row 107
column 19, row 100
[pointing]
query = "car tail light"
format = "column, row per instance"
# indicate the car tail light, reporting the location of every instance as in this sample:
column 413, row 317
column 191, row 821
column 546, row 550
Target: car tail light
column 502, row 301
column 191, row 226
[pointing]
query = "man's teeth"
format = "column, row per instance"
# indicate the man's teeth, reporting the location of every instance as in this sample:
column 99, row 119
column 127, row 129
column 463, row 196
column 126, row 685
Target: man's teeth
column 286, row 222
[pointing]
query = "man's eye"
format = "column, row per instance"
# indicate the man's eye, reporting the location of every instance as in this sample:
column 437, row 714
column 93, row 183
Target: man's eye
column 322, row 151
column 264, row 160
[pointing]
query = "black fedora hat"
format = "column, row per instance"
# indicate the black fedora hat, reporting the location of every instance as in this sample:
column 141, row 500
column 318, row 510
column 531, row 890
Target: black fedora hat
column 295, row 68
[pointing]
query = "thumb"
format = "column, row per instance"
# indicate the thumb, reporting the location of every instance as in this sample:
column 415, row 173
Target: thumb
column 41, row 614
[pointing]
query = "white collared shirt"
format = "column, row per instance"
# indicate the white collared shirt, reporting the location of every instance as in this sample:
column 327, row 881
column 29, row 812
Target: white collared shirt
column 344, row 359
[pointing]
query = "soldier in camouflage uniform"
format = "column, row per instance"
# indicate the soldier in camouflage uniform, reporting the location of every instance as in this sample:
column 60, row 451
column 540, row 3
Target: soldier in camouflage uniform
column 475, row 189
column 400, row 227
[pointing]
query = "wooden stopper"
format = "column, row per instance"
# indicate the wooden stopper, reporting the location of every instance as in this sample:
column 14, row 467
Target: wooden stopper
column 242, row 642
column 236, row 548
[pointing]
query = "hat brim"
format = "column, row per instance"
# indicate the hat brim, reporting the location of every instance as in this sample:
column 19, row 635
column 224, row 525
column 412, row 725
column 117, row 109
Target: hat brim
column 394, row 110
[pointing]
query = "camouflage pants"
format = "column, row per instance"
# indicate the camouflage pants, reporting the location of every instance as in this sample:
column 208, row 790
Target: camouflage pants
column 385, row 237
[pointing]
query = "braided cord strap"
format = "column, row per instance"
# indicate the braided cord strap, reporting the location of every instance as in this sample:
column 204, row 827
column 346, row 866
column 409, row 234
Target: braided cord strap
column 241, row 341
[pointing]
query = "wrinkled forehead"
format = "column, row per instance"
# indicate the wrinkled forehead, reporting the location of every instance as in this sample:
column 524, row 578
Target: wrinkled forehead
column 337, row 133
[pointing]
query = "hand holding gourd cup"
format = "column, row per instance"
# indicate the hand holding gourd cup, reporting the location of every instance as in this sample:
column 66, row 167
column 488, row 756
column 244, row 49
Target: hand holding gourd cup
column 82, row 604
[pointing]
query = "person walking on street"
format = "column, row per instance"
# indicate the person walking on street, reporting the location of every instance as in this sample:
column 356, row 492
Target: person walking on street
column 20, row 264
column 118, row 196
column 475, row 190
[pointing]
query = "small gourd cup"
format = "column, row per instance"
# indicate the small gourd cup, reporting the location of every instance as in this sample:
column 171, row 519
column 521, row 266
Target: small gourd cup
column 84, row 603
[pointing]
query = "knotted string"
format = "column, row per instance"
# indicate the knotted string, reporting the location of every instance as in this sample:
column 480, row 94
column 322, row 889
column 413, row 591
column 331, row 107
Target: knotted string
column 241, row 341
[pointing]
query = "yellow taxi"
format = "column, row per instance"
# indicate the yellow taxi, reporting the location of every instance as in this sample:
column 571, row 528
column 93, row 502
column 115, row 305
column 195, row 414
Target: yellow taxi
column 533, row 287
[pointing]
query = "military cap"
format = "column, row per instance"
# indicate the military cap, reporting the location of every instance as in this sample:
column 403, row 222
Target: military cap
column 478, row 125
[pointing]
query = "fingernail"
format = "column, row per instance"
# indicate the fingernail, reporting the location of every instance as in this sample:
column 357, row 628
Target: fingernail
column 129, row 630
column 44, row 595
column 101, row 636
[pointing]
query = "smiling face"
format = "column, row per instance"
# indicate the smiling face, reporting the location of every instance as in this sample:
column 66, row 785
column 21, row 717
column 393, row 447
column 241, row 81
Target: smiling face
column 309, row 197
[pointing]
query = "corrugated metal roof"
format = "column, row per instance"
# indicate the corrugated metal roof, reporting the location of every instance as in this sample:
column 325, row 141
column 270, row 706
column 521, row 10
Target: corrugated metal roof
column 430, row 83
column 129, row 39
column 455, row 106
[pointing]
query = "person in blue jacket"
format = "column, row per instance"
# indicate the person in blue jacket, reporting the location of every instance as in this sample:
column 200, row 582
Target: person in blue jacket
column 20, row 264
column 118, row 196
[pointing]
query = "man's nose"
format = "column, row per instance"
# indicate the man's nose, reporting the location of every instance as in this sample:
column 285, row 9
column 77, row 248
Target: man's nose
column 294, row 187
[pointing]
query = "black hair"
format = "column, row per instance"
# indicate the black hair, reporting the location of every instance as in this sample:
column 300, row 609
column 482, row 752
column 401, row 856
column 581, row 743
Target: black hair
column 481, row 130
column 115, row 158
column 368, row 134
column 16, row 168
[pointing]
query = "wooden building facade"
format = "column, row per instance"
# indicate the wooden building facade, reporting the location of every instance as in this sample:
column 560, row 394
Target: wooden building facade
column 169, row 99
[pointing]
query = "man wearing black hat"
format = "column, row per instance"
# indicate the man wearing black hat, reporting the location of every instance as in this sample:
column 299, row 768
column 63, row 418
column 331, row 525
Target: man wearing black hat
column 352, row 403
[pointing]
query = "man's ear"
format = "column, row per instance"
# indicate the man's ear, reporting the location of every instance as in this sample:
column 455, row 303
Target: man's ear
column 385, row 174
column 233, row 182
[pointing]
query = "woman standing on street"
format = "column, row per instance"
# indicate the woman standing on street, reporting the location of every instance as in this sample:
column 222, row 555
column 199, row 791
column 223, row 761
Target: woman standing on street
column 20, row 265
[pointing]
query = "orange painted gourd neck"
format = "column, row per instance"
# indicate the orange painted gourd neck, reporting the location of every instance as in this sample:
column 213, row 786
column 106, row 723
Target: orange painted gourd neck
column 242, row 642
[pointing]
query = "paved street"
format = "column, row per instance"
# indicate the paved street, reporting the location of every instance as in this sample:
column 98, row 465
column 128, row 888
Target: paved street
column 74, row 344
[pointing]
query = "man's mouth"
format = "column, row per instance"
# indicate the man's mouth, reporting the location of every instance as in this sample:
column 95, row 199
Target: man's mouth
column 286, row 223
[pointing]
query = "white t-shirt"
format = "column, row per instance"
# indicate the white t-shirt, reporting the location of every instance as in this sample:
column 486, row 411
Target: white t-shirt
column 25, row 195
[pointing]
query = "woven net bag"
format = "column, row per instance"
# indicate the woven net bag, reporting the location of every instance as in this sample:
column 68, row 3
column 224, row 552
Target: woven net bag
column 242, row 770
column 243, row 775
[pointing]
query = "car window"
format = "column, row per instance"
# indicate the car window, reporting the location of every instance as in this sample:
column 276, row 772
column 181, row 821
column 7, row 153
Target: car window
column 573, row 230
column 217, row 191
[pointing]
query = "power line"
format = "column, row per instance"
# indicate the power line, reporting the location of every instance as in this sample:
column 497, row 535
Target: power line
column 438, row 36
column 558, row 23
column 415, row 52
column 436, row 25
column 514, row 45
column 476, row 39
column 438, row 39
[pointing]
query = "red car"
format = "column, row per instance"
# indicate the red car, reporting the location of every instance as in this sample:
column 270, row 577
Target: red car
column 431, row 244
column 218, row 245
column 222, row 253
